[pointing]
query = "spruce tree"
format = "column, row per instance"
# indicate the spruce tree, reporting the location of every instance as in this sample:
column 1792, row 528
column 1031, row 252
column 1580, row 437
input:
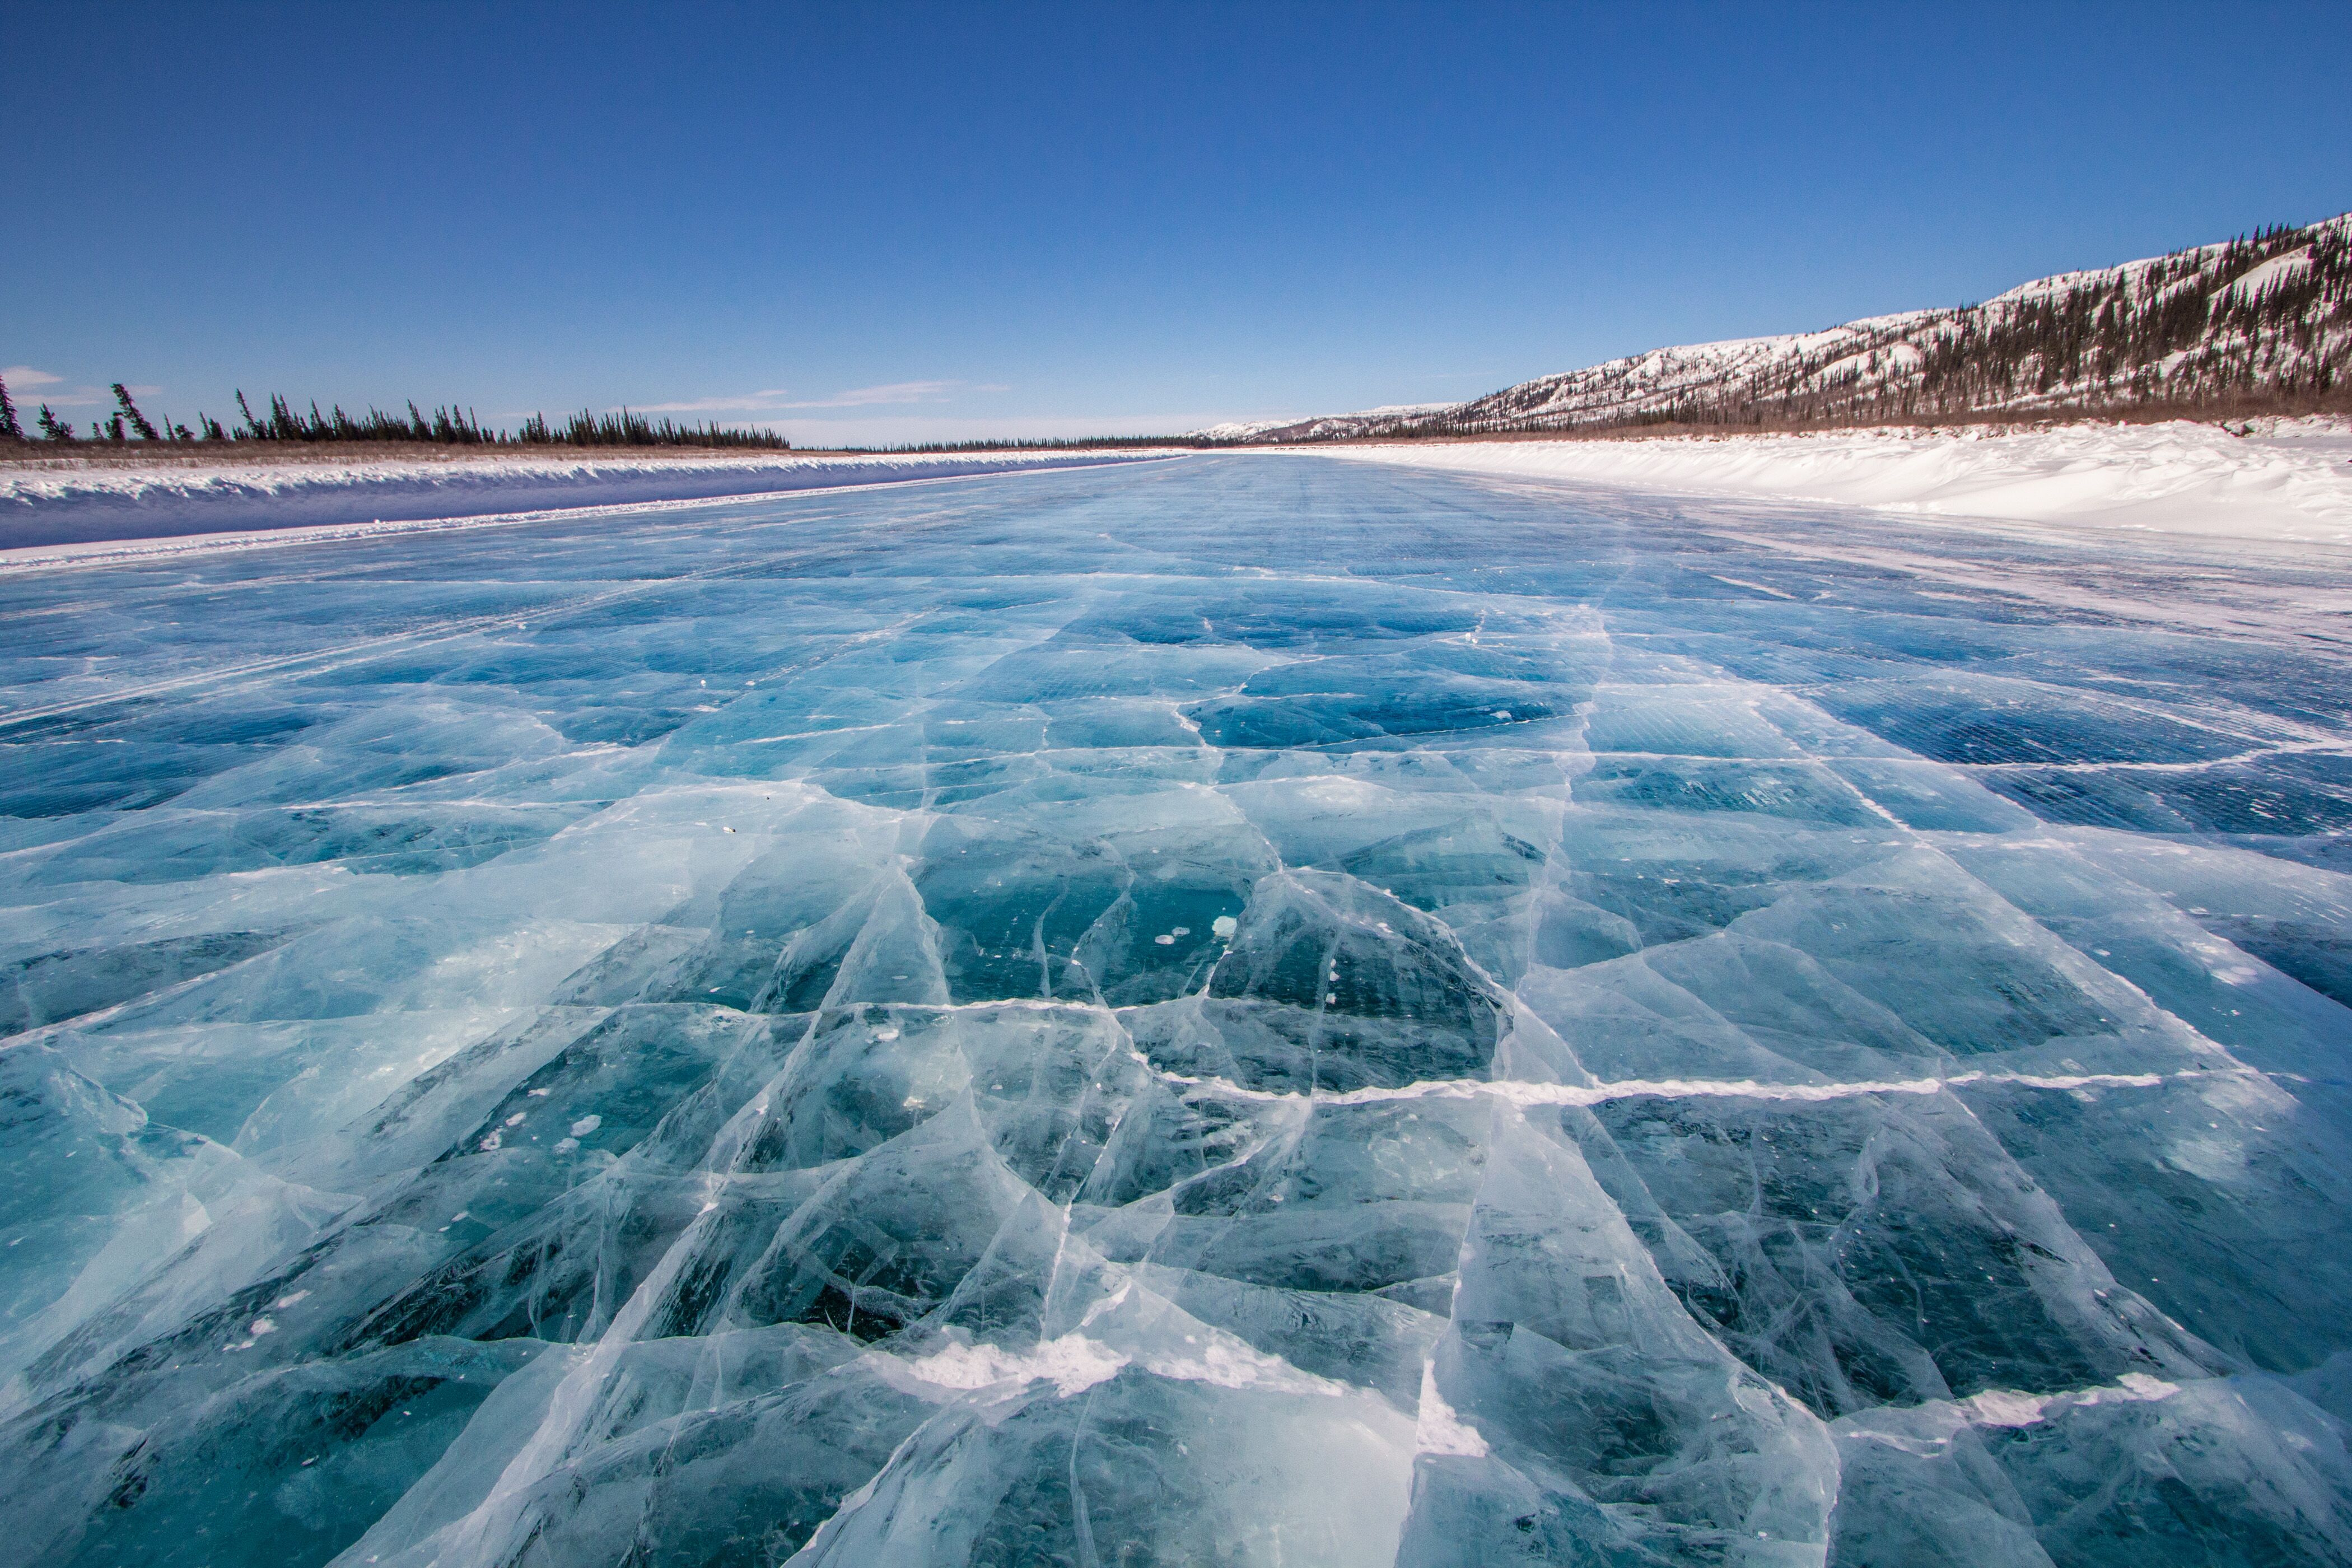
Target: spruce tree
column 52, row 428
column 9, row 429
column 130, row 412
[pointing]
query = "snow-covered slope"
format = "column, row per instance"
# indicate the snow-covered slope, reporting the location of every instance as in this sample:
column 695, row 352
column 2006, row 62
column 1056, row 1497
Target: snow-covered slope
column 1239, row 429
column 2250, row 317
column 1324, row 425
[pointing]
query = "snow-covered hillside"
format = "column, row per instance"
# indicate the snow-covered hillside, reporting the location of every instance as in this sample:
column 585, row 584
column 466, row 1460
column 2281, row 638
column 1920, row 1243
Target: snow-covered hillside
column 2257, row 317
column 1331, row 424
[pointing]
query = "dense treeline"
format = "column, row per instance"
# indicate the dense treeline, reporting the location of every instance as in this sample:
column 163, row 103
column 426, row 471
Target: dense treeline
column 2180, row 333
column 453, row 426
column 628, row 429
column 2185, row 331
column 444, row 427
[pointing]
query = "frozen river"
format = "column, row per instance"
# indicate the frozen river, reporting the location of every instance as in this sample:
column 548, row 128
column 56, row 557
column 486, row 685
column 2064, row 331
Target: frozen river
column 1237, row 1009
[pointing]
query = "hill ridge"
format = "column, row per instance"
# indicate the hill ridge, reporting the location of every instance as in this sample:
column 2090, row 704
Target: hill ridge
column 2262, row 321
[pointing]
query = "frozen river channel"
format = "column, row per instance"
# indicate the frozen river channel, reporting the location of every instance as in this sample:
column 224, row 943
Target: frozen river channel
column 1236, row 1010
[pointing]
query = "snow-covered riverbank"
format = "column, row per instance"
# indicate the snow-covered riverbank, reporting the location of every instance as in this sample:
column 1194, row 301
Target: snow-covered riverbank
column 74, row 504
column 2288, row 480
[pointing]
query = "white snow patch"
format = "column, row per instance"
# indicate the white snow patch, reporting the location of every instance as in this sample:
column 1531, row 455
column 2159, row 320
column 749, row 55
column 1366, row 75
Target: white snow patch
column 2001, row 1407
column 67, row 477
column 2287, row 480
column 2271, row 274
column 1072, row 1363
column 1439, row 1429
column 1227, row 1362
column 69, row 510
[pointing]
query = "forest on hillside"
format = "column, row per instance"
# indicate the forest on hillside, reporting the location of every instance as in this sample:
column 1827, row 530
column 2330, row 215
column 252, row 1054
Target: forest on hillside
column 2261, row 323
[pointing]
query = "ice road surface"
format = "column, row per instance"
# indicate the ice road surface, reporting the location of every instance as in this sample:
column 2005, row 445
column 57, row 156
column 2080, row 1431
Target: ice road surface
column 1243, row 1010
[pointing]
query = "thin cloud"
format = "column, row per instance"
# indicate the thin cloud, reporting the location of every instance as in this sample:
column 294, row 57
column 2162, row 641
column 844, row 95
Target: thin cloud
column 897, row 429
column 736, row 404
column 777, row 399
column 871, row 396
column 31, row 385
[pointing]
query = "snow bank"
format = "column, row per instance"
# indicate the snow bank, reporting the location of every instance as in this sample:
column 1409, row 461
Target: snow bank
column 71, row 503
column 2287, row 479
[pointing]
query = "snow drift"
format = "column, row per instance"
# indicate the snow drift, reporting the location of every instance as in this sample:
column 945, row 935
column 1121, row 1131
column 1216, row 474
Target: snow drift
column 2287, row 480
column 70, row 503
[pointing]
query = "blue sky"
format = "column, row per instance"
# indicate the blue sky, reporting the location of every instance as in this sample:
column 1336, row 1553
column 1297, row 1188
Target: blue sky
column 893, row 223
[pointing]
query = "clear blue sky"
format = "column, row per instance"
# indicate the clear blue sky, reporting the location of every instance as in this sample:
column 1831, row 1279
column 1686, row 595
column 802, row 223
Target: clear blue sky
column 896, row 222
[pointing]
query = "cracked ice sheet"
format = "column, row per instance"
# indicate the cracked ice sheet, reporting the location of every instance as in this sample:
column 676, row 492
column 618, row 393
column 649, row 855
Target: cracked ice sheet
column 1246, row 1010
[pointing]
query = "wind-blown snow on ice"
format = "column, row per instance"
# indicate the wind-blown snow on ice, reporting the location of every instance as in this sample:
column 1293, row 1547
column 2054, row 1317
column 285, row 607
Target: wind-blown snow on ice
column 1243, row 1010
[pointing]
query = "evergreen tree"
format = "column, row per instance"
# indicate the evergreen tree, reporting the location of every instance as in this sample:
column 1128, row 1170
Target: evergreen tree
column 52, row 428
column 9, row 429
column 130, row 412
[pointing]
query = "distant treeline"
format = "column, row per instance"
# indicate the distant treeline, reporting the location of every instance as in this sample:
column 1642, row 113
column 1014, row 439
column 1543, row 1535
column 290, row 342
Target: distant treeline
column 447, row 427
column 1056, row 444
column 127, row 426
